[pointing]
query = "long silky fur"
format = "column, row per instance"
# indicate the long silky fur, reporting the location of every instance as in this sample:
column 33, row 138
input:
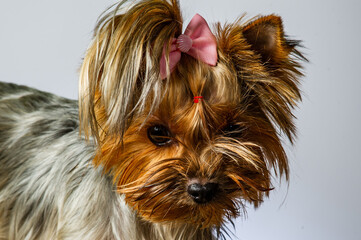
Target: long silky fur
column 119, row 73
column 48, row 186
column 111, row 181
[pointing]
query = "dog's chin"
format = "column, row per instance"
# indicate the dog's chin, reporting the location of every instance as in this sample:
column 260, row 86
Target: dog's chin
column 169, row 205
column 203, row 215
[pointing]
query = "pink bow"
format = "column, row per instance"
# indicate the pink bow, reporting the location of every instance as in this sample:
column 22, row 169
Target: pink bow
column 197, row 41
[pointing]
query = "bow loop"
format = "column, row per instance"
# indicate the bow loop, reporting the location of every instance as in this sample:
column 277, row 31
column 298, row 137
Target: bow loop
column 197, row 41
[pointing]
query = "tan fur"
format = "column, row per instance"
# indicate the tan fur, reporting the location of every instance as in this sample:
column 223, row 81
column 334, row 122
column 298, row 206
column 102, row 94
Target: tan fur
column 254, row 85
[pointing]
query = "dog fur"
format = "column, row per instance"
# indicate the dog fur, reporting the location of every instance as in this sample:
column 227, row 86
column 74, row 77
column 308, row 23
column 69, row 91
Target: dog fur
column 111, row 181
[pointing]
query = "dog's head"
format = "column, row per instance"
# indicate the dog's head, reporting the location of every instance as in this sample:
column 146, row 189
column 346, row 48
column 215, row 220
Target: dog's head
column 173, row 158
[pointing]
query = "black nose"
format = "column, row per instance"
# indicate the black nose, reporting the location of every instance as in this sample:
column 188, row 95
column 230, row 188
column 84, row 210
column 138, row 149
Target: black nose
column 202, row 193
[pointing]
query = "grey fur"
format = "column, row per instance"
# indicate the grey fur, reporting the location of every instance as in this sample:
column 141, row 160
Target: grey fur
column 49, row 188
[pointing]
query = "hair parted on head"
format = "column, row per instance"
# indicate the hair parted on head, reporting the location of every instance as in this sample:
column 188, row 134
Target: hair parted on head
column 120, row 71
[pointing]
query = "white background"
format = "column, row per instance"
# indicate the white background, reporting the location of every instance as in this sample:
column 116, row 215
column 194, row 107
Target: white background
column 42, row 43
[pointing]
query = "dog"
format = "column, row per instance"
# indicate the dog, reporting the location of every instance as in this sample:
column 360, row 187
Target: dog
column 173, row 134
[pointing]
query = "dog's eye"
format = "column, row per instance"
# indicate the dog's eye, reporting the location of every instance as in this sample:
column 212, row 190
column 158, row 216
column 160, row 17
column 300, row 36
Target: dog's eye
column 159, row 135
column 233, row 130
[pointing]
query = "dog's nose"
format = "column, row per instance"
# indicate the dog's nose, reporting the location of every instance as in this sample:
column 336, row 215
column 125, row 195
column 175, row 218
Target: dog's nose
column 202, row 193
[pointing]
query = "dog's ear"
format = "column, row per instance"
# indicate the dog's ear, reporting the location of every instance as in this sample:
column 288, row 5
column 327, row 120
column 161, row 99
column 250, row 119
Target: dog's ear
column 119, row 77
column 266, row 37
column 268, row 65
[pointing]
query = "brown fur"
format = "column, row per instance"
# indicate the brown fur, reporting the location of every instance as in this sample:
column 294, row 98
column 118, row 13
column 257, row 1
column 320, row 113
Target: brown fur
column 254, row 85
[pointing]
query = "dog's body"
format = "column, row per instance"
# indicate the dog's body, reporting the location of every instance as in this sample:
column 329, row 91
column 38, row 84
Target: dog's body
column 172, row 135
column 48, row 186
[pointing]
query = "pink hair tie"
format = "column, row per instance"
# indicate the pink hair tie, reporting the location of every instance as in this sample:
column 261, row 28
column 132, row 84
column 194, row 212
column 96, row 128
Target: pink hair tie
column 197, row 41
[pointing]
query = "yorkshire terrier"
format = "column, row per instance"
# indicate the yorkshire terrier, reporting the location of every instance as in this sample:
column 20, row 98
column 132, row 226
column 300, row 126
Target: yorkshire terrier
column 172, row 135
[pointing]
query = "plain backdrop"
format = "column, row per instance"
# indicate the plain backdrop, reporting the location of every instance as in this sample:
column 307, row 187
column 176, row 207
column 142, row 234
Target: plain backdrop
column 42, row 43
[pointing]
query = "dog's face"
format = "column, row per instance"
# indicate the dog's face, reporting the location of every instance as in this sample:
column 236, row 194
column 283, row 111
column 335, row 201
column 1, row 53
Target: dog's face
column 177, row 160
